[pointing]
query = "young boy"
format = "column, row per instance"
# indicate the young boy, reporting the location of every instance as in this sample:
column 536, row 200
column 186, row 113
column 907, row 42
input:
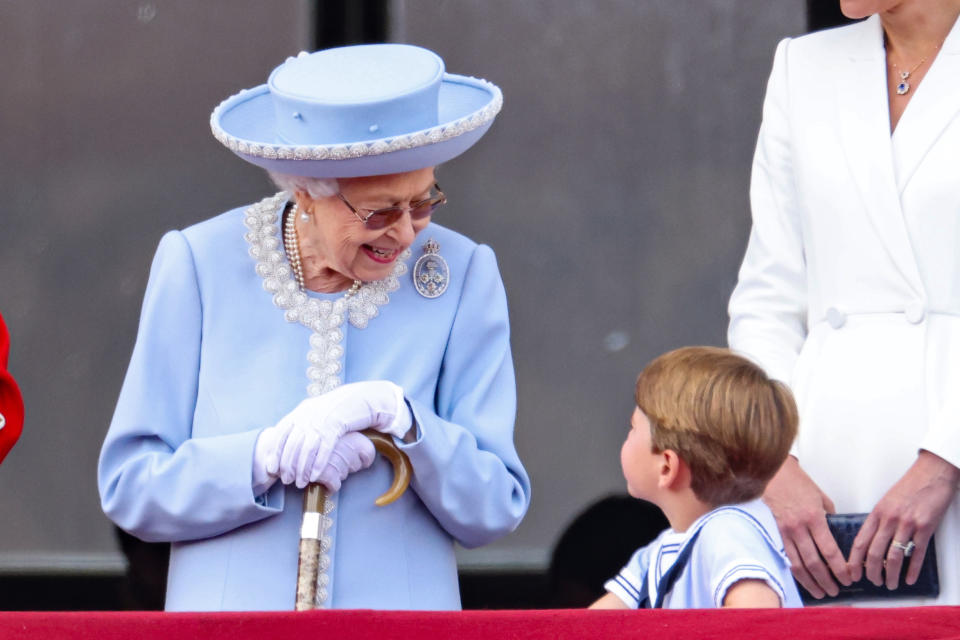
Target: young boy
column 709, row 431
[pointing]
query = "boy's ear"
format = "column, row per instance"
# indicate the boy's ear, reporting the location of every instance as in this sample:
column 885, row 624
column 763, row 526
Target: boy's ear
column 674, row 472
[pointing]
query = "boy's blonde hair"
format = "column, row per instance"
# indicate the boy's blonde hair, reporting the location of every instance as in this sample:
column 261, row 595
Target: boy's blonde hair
column 725, row 418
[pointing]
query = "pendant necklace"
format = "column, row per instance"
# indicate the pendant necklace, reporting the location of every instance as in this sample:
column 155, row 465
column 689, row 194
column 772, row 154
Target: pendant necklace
column 904, row 86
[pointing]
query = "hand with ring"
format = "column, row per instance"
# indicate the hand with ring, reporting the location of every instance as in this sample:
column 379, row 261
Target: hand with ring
column 910, row 511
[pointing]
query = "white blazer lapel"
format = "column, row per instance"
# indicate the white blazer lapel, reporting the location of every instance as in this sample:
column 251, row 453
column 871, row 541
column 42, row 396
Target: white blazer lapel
column 933, row 107
column 864, row 120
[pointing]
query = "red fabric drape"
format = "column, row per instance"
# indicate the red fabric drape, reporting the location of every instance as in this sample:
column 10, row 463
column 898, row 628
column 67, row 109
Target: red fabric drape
column 920, row 623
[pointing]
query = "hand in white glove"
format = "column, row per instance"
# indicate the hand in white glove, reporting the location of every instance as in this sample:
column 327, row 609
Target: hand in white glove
column 270, row 440
column 353, row 452
column 297, row 448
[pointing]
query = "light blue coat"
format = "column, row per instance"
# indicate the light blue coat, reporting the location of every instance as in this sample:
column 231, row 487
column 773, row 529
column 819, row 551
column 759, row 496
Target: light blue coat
column 215, row 362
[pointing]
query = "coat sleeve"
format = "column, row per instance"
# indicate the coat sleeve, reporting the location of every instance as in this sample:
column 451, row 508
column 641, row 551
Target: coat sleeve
column 156, row 480
column 768, row 306
column 466, row 468
column 943, row 436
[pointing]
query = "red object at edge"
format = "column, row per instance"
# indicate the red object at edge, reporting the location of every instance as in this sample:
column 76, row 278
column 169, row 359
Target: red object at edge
column 11, row 402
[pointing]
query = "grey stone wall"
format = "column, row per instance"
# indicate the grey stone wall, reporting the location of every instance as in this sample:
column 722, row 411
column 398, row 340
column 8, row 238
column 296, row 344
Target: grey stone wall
column 613, row 188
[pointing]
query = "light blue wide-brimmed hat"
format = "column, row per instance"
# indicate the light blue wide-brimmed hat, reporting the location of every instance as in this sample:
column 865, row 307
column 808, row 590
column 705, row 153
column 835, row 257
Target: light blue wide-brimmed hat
column 357, row 111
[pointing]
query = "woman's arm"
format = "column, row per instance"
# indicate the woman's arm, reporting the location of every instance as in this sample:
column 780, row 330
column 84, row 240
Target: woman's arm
column 768, row 311
column 768, row 306
column 156, row 480
column 909, row 512
column 466, row 468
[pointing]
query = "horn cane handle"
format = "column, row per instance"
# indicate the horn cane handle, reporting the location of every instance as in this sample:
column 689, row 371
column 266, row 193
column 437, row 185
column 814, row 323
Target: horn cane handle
column 402, row 470
column 314, row 499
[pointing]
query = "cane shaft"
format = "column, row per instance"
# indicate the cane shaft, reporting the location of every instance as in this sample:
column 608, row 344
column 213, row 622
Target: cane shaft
column 314, row 503
column 308, row 570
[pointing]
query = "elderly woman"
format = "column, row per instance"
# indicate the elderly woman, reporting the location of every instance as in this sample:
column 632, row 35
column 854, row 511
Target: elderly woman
column 272, row 334
column 849, row 290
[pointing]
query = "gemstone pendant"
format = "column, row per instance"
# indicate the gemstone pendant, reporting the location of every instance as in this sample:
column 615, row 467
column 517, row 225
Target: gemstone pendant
column 904, row 86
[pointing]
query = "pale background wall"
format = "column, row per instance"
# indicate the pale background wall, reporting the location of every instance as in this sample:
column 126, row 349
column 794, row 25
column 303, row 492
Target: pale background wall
column 613, row 188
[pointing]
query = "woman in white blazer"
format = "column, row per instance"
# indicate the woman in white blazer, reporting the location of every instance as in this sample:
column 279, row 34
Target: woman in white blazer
column 850, row 289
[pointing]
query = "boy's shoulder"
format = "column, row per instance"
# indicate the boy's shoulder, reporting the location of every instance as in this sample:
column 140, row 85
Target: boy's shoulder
column 751, row 519
column 740, row 533
column 738, row 542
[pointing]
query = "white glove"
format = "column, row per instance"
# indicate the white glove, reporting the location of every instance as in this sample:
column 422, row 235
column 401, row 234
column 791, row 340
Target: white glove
column 353, row 452
column 269, row 440
column 297, row 448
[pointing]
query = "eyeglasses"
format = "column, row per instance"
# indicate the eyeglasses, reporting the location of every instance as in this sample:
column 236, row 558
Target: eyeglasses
column 380, row 218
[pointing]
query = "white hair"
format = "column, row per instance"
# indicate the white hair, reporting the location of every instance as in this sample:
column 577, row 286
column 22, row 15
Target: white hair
column 314, row 187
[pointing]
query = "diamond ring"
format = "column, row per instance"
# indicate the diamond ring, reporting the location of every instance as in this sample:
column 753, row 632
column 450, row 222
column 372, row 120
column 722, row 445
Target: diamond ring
column 906, row 548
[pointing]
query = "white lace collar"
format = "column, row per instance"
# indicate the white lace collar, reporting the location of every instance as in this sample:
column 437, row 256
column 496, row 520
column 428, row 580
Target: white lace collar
column 324, row 317
column 266, row 247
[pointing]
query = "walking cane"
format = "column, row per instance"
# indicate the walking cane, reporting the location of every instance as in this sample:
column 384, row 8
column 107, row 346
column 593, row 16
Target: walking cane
column 314, row 498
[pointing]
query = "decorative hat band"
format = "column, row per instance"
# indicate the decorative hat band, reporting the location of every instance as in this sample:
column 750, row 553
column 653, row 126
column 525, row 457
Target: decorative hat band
column 360, row 102
column 378, row 146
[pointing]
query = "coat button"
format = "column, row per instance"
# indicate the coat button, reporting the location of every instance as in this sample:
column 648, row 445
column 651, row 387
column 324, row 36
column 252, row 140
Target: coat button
column 836, row 318
column 915, row 312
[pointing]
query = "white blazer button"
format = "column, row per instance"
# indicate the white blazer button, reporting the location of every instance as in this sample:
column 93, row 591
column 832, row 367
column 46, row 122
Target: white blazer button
column 836, row 318
column 3, row 421
column 915, row 312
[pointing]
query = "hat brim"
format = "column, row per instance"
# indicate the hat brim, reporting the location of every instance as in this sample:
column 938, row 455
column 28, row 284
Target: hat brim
column 244, row 123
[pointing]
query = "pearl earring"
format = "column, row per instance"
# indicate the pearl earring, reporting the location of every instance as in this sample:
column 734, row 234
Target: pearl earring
column 304, row 216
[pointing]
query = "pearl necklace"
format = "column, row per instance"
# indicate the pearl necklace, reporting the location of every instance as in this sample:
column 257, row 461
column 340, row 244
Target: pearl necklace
column 264, row 234
column 292, row 245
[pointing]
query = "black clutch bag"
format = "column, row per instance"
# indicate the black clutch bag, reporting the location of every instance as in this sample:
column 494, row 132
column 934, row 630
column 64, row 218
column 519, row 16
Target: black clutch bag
column 844, row 527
